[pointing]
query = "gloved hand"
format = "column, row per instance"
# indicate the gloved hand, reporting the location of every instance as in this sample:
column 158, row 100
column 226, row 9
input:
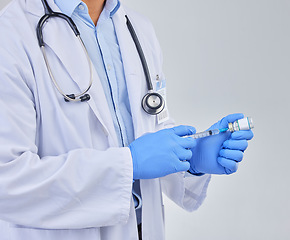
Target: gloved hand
column 161, row 153
column 221, row 153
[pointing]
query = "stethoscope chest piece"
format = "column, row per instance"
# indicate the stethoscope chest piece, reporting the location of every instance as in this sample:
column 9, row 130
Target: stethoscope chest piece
column 153, row 103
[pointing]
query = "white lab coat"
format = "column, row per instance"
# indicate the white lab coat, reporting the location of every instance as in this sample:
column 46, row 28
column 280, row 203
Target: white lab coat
column 62, row 174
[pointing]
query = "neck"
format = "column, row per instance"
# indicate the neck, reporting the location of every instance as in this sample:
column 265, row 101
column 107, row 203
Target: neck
column 95, row 8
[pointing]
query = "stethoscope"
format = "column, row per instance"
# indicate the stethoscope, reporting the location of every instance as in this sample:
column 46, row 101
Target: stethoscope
column 152, row 103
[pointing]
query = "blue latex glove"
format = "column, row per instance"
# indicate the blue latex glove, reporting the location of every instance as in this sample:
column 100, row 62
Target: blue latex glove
column 164, row 152
column 220, row 154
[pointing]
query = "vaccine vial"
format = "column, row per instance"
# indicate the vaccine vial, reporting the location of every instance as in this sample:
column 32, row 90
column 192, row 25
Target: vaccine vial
column 241, row 124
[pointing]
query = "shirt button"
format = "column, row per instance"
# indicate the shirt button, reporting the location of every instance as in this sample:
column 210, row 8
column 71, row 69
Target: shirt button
column 109, row 67
column 81, row 7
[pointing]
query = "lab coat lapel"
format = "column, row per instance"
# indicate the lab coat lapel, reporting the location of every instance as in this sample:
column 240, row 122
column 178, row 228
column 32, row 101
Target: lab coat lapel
column 73, row 58
column 59, row 38
column 135, row 80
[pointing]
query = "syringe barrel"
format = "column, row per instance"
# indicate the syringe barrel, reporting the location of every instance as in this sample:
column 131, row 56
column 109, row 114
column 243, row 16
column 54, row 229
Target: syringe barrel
column 241, row 124
column 205, row 133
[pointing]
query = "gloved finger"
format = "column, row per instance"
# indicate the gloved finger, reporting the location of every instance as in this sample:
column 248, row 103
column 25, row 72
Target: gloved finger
column 182, row 153
column 236, row 144
column 230, row 119
column 230, row 166
column 183, row 130
column 235, row 155
column 182, row 166
column 243, row 134
column 187, row 142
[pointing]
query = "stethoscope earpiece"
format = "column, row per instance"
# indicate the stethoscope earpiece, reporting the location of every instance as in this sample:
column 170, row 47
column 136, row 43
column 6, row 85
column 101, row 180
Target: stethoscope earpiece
column 85, row 98
column 70, row 97
column 82, row 98
column 153, row 103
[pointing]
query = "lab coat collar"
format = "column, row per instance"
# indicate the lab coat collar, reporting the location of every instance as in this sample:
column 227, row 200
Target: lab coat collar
column 127, row 46
column 70, row 53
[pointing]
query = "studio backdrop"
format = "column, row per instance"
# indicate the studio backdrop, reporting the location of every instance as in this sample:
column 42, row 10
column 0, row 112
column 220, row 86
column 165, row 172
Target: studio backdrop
column 222, row 57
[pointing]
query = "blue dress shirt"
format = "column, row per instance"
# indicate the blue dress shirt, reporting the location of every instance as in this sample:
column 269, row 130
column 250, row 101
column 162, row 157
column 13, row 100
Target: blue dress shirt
column 103, row 48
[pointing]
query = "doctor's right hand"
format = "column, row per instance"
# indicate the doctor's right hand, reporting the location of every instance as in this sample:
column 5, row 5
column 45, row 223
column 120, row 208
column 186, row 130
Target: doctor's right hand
column 161, row 153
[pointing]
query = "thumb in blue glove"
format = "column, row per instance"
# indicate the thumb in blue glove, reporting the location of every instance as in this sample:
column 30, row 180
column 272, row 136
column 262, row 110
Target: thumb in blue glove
column 161, row 153
column 220, row 154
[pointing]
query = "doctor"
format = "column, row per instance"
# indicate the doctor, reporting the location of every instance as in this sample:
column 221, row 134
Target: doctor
column 93, row 169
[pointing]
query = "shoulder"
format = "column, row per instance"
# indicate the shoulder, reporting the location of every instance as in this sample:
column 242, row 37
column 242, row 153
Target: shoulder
column 16, row 42
column 7, row 8
column 144, row 30
column 16, row 27
column 11, row 13
column 139, row 21
column 148, row 39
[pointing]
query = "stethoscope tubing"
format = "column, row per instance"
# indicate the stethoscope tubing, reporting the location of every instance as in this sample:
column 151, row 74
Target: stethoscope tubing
column 54, row 15
column 152, row 103
column 141, row 53
column 148, row 104
column 50, row 14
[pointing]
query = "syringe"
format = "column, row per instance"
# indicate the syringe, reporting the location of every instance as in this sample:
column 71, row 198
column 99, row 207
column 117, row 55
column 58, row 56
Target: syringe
column 241, row 124
column 208, row 133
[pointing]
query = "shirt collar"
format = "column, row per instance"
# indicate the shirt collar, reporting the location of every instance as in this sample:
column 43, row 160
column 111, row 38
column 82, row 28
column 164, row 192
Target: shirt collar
column 69, row 6
column 112, row 6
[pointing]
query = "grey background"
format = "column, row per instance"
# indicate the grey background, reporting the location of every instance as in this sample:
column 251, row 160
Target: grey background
column 221, row 57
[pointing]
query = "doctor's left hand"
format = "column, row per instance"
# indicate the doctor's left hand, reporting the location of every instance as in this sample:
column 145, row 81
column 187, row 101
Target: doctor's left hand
column 221, row 153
